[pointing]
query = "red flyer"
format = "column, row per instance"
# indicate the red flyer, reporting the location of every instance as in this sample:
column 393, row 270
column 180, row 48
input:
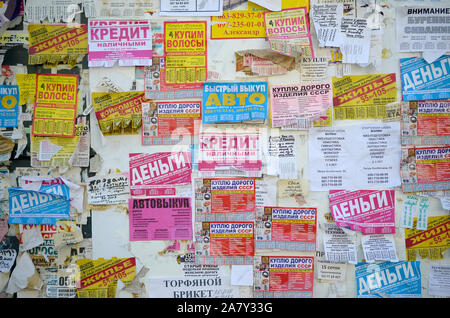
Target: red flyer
column 286, row 228
column 283, row 276
column 224, row 243
column 231, row 199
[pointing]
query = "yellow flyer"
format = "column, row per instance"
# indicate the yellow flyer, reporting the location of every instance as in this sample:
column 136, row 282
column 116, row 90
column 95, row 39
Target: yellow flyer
column 363, row 96
column 59, row 151
column 51, row 44
column 431, row 242
column 98, row 278
column 27, row 88
column 55, row 107
column 288, row 32
column 119, row 112
column 186, row 53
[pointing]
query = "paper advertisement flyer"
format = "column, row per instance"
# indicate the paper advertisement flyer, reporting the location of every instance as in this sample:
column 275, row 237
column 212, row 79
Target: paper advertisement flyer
column 373, row 150
column 98, row 278
column 119, row 112
column 439, row 280
column 220, row 243
column 45, row 205
column 281, row 156
column 128, row 42
column 54, row 43
column 298, row 106
column 338, row 245
column 234, row 102
column 388, row 279
column 425, row 169
column 286, row 228
column 422, row 29
column 170, row 122
column 61, row 151
column 327, row 270
column 430, row 243
column 363, row 96
column 160, row 219
column 56, row 104
column 263, row 62
column 7, row 259
column 288, row 32
column 215, row 281
column 423, row 81
column 159, row 173
column 265, row 192
column 356, row 43
column 425, row 122
column 9, row 108
column 230, row 154
column 191, row 8
column 379, row 247
column 327, row 22
column 238, row 24
column 185, row 53
column 110, row 189
column 283, row 276
column 225, row 199
column 370, row 212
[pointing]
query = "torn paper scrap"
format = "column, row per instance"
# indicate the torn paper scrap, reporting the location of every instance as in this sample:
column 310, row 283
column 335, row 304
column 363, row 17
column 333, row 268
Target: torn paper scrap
column 272, row 5
column 263, row 62
column 242, row 275
column 24, row 275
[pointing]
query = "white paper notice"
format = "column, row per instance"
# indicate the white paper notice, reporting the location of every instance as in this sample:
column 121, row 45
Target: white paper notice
column 439, row 281
column 7, row 258
column 328, row 270
column 265, row 192
column 281, row 159
column 423, row 29
column 327, row 22
column 365, row 156
column 242, row 275
column 47, row 150
column 355, row 46
column 379, row 248
column 339, row 246
column 202, row 8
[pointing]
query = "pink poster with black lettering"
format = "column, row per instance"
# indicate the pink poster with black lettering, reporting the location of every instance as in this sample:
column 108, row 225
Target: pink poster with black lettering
column 127, row 41
column 159, row 173
column 366, row 211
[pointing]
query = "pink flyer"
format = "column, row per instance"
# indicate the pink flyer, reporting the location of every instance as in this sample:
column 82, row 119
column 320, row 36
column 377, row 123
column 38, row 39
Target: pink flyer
column 126, row 41
column 160, row 219
column 367, row 211
column 237, row 152
column 150, row 174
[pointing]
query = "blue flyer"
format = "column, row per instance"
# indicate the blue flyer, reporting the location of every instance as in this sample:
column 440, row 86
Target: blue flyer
column 9, row 108
column 391, row 279
column 234, row 102
column 45, row 206
column 424, row 81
